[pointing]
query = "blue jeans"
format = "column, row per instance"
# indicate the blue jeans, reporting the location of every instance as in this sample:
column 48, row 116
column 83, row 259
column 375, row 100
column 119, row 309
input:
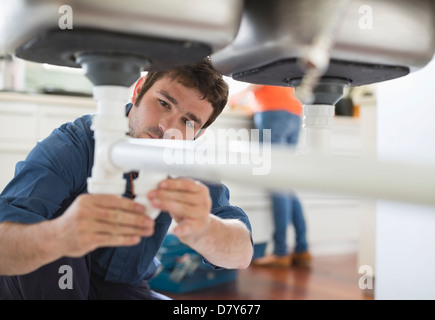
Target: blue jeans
column 287, row 208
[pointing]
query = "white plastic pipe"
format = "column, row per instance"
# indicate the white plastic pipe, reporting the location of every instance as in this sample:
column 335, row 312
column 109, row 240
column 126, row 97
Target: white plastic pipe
column 364, row 177
column 317, row 123
column 147, row 180
column 110, row 125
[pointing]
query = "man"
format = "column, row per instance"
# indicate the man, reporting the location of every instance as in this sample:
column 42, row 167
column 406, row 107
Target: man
column 50, row 225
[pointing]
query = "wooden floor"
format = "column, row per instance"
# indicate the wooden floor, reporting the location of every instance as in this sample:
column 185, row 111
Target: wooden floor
column 328, row 278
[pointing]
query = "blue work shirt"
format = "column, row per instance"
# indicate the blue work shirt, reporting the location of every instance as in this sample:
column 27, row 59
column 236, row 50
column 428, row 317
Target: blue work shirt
column 55, row 172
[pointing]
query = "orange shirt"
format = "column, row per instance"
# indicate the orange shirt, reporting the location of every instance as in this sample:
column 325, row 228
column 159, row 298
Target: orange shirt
column 268, row 98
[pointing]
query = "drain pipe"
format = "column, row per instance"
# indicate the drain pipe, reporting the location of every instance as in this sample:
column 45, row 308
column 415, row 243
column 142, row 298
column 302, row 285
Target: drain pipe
column 317, row 123
column 318, row 116
column 110, row 125
column 112, row 76
column 366, row 177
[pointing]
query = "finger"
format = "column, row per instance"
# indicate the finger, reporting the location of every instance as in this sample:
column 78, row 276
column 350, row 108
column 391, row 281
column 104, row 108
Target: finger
column 143, row 226
column 160, row 196
column 119, row 229
column 116, row 216
column 182, row 184
column 114, row 201
column 182, row 190
column 109, row 240
column 175, row 208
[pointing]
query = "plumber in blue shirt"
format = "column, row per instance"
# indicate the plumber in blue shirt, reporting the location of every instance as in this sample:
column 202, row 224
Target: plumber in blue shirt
column 51, row 226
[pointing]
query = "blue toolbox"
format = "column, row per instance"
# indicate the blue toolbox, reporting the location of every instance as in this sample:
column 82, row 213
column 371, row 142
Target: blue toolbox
column 183, row 269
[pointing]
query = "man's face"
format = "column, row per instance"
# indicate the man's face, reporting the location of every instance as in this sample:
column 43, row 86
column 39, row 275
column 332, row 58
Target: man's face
column 169, row 110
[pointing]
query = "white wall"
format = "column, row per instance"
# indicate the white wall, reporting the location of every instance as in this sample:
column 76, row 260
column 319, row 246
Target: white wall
column 25, row 118
column 405, row 235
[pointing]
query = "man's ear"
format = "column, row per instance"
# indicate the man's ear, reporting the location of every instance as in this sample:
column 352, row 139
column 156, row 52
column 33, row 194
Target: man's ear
column 137, row 88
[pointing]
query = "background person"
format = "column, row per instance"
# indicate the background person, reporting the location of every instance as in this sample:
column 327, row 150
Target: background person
column 276, row 108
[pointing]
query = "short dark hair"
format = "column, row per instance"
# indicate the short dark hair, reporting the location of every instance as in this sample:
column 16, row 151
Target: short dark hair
column 201, row 76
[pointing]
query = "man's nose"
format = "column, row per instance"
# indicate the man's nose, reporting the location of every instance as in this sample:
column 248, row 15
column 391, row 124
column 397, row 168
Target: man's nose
column 167, row 122
column 170, row 127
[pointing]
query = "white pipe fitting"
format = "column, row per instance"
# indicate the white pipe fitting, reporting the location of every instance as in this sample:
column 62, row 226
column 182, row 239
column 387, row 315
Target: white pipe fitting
column 147, row 181
column 317, row 122
column 110, row 125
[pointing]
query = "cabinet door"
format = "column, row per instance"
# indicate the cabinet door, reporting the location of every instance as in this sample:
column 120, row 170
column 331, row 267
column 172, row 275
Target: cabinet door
column 23, row 123
column 17, row 123
column 8, row 159
column 17, row 136
column 52, row 116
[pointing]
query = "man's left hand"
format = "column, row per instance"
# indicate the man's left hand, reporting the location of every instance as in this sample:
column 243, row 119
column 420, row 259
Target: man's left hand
column 189, row 204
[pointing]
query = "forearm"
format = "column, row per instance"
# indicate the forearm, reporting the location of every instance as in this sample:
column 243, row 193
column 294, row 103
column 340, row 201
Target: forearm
column 24, row 247
column 226, row 243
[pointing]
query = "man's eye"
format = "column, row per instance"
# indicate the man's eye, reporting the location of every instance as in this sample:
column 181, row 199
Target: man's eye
column 163, row 103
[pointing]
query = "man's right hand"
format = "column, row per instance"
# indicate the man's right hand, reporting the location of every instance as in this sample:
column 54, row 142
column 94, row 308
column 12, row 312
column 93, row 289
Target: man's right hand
column 94, row 221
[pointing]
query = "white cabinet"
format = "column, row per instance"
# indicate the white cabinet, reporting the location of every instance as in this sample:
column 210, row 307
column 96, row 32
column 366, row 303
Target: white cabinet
column 27, row 118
